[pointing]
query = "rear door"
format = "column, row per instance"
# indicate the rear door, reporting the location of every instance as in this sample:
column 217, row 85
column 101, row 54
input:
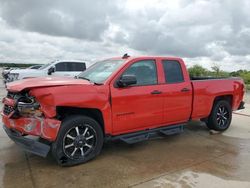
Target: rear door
column 138, row 106
column 177, row 91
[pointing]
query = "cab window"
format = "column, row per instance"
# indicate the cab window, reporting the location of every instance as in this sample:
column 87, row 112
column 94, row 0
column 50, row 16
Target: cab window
column 145, row 72
column 173, row 71
column 61, row 66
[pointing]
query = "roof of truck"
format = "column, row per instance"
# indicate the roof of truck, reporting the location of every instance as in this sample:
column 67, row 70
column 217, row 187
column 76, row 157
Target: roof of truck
column 145, row 57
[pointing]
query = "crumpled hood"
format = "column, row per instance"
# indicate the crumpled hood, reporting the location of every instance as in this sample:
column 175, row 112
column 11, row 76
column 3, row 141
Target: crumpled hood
column 20, row 85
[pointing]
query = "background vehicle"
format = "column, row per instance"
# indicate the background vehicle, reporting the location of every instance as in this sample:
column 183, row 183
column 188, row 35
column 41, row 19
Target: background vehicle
column 35, row 67
column 69, row 68
column 129, row 98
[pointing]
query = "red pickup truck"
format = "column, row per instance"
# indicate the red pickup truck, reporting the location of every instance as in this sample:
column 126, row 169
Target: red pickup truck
column 126, row 98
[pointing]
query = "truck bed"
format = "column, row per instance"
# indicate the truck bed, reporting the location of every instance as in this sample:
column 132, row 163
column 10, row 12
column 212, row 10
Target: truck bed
column 206, row 89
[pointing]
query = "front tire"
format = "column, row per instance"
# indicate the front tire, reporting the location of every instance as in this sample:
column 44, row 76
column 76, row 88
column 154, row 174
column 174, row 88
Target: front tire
column 221, row 116
column 79, row 140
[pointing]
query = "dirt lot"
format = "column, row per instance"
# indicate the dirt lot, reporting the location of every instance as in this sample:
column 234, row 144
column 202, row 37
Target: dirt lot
column 194, row 158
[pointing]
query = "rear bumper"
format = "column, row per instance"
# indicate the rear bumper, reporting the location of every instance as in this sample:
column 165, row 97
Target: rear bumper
column 242, row 106
column 28, row 144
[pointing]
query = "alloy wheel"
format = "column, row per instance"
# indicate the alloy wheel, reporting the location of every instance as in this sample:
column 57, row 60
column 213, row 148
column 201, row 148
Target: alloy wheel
column 222, row 116
column 79, row 141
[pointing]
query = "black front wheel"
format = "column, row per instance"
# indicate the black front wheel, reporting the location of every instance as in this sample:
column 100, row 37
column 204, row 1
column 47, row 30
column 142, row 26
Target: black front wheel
column 80, row 139
column 221, row 116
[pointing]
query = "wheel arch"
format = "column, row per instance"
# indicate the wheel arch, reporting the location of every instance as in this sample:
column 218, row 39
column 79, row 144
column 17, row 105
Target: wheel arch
column 228, row 98
column 64, row 111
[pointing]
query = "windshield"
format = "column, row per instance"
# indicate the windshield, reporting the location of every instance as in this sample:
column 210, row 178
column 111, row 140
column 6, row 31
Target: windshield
column 100, row 71
column 45, row 65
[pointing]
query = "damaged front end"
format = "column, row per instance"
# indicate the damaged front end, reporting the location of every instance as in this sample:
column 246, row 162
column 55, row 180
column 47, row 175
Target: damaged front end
column 22, row 115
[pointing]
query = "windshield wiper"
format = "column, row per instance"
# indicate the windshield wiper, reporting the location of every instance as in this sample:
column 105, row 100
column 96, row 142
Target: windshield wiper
column 98, row 84
column 84, row 78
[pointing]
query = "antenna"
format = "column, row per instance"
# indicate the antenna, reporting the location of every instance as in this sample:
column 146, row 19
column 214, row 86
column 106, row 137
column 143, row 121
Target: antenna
column 125, row 56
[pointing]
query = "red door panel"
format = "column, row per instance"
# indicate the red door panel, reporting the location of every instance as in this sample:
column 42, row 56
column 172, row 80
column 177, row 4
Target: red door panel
column 135, row 108
column 177, row 92
column 138, row 106
column 177, row 102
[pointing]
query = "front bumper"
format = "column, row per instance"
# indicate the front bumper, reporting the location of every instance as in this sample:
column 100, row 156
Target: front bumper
column 42, row 127
column 28, row 144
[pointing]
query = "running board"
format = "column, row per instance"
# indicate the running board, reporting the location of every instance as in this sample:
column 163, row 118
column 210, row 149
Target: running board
column 140, row 136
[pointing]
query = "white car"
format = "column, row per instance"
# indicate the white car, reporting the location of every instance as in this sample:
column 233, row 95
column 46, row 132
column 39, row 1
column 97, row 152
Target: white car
column 69, row 68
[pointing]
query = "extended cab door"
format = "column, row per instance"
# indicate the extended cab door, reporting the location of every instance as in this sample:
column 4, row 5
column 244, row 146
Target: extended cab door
column 177, row 92
column 138, row 106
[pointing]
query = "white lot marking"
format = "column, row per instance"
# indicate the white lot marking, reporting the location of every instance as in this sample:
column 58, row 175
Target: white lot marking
column 192, row 179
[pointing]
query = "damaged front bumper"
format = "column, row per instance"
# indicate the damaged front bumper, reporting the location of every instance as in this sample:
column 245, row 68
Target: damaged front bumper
column 28, row 144
column 42, row 127
column 22, row 116
column 16, row 129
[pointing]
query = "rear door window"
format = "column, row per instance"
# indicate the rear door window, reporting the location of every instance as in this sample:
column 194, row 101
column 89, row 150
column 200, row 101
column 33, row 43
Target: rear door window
column 173, row 71
column 62, row 66
column 78, row 67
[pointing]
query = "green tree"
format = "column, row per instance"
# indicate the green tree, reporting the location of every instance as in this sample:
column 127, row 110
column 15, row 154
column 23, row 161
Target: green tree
column 197, row 70
column 217, row 71
column 246, row 77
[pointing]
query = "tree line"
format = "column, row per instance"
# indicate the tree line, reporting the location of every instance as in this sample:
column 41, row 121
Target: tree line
column 216, row 71
column 16, row 65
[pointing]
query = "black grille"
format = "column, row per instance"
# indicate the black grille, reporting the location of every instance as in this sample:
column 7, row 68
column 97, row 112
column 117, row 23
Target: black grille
column 8, row 109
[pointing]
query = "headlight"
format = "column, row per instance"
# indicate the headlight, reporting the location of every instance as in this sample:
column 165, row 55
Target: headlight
column 27, row 106
column 12, row 77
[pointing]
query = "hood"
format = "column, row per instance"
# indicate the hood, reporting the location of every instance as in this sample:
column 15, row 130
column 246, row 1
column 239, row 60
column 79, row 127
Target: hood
column 23, row 71
column 20, row 85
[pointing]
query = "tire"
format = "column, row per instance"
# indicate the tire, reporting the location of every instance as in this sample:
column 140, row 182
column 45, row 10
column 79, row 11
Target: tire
column 79, row 140
column 220, row 117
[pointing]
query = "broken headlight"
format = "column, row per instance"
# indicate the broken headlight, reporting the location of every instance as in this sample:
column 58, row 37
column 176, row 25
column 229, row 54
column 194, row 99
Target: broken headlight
column 27, row 106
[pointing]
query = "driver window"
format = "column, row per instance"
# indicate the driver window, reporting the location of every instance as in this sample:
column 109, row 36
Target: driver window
column 144, row 71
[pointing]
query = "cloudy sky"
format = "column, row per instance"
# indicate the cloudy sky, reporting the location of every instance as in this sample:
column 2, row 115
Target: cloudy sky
column 206, row 32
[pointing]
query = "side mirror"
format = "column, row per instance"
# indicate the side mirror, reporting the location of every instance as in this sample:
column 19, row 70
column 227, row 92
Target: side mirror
column 126, row 80
column 51, row 70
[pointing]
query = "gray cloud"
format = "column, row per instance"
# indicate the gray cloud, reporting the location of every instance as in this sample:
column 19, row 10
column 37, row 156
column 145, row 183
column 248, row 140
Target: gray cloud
column 77, row 19
column 205, row 30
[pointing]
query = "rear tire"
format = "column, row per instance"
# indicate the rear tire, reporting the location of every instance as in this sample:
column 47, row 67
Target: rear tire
column 79, row 140
column 221, row 116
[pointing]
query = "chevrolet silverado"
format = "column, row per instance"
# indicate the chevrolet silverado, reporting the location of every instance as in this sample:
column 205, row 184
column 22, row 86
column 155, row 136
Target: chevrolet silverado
column 127, row 98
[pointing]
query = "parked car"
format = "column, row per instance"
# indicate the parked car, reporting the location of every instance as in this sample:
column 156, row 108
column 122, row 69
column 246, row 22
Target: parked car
column 131, row 99
column 69, row 68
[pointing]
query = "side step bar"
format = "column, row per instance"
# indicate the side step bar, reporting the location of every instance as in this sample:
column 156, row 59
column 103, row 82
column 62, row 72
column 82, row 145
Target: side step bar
column 140, row 136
